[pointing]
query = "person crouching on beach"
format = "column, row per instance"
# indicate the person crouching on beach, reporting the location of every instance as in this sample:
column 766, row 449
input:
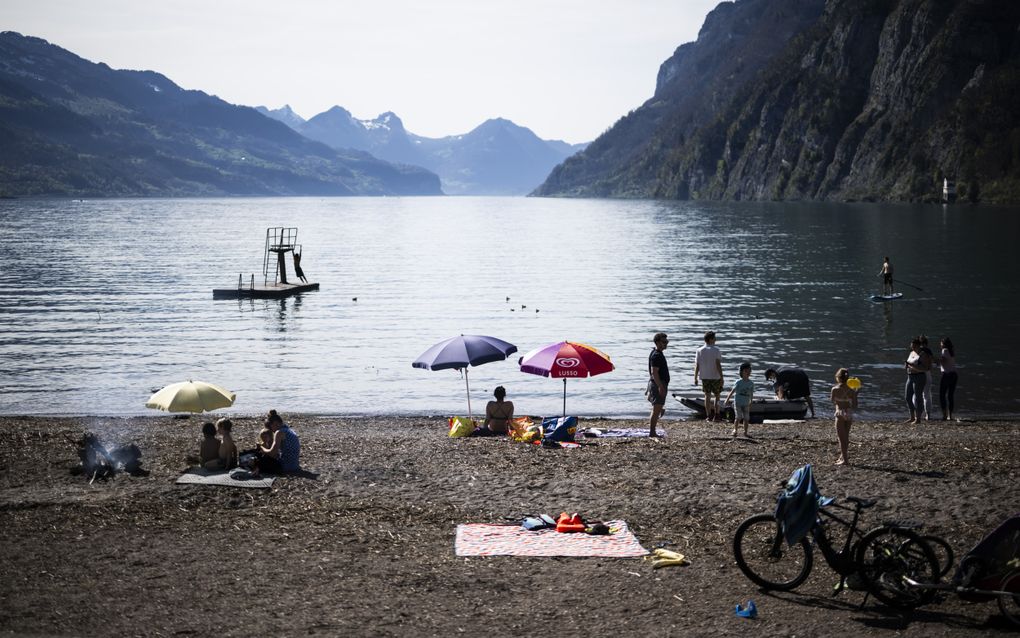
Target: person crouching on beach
column 283, row 455
column 209, row 450
column 227, row 456
column 845, row 400
column 742, row 393
column 708, row 365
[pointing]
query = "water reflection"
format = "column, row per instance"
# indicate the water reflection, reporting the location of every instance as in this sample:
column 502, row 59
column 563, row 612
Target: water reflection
column 781, row 284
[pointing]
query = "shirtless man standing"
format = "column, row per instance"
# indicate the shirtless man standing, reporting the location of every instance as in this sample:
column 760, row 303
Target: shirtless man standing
column 887, row 280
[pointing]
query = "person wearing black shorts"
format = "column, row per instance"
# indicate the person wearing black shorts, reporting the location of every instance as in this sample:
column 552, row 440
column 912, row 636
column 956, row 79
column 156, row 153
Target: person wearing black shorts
column 658, row 381
column 791, row 383
column 887, row 274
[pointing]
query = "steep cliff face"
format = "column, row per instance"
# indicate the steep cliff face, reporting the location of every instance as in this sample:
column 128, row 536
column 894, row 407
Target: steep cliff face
column 692, row 87
column 873, row 100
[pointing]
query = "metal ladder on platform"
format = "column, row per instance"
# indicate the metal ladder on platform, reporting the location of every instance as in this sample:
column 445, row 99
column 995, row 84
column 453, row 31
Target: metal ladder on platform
column 279, row 240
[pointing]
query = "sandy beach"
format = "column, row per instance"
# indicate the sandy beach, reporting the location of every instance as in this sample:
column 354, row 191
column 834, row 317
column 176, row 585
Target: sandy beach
column 367, row 548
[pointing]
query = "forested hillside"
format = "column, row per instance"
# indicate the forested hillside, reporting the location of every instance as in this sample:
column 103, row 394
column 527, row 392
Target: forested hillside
column 69, row 127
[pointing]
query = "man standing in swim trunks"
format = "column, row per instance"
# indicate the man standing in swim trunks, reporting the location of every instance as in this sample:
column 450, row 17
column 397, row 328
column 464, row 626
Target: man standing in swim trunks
column 708, row 365
column 658, row 380
column 791, row 383
column 887, row 281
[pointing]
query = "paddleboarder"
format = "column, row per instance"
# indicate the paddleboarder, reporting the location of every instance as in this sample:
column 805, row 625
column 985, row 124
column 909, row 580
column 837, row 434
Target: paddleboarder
column 887, row 280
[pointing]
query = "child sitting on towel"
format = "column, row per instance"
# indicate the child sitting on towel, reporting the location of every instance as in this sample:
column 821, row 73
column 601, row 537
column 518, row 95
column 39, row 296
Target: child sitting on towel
column 226, row 458
column 209, row 449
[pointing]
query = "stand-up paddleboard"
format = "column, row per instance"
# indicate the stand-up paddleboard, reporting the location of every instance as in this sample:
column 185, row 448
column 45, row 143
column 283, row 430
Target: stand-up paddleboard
column 892, row 297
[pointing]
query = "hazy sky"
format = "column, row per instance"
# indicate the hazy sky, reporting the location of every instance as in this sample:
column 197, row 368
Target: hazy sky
column 567, row 69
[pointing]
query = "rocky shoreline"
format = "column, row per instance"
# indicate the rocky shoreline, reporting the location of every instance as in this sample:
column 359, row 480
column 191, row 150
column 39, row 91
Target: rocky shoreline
column 366, row 548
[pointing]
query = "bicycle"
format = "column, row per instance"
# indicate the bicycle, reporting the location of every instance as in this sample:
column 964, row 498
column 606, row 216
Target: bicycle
column 886, row 559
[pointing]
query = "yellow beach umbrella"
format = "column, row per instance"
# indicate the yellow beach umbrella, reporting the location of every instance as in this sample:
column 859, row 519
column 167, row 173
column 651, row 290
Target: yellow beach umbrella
column 191, row 396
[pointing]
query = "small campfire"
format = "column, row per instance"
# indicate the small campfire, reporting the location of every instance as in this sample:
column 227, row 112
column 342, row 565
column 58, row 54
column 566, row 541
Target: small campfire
column 99, row 461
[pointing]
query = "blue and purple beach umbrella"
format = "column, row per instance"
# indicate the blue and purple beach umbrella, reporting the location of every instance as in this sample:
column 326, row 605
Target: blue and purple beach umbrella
column 460, row 352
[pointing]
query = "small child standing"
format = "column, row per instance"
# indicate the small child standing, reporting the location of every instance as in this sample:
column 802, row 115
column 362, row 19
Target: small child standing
column 742, row 393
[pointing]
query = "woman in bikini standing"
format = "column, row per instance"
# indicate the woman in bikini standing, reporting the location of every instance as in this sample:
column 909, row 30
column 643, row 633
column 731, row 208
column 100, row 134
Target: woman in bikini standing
column 498, row 413
column 845, row 400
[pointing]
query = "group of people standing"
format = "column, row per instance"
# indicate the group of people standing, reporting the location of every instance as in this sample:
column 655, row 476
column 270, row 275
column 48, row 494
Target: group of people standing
column 787, row 383
column 919, row 365
column 793, row 383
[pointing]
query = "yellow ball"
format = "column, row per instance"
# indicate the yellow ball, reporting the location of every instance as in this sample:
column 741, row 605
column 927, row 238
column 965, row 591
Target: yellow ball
column 853, row 383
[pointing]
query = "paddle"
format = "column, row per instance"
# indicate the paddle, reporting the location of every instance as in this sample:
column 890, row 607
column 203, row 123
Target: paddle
column 911, row 285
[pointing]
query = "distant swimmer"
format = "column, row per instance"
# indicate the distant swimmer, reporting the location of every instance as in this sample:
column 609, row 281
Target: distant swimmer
column 887, row 280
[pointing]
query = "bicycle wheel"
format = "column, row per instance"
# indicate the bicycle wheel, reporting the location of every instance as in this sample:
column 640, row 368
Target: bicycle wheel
column 943, row 553
column 887, row 556
column 766, row 558
column 1010, row 603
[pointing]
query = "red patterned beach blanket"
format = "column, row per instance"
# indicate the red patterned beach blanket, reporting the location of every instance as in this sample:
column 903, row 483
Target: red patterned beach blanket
column 483, row 539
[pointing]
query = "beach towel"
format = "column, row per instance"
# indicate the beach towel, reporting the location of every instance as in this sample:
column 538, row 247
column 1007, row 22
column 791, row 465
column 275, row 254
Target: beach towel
column 483, row 539
column 237, row 477
column 797, row 506
column 610, row 433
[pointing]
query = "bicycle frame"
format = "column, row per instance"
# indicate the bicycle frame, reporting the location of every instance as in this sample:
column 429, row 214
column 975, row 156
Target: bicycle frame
column 841, row 561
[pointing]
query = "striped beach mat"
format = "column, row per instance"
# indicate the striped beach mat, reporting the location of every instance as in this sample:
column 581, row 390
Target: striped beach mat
column 483, row 539
column 235, row 478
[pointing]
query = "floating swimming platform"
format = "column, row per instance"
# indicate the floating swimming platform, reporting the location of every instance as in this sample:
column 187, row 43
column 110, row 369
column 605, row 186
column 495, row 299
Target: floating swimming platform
column 265, row 291
column 279, row 242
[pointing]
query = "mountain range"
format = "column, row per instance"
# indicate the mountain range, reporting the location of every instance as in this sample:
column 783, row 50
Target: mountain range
column 70, row 127
column 839, row 100
column 496, row 158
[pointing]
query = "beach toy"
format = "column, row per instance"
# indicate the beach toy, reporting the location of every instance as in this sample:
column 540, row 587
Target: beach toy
column 750, row 611
column 853, row 383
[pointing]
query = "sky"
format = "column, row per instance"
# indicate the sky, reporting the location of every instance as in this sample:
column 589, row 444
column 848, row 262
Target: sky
column 567, row 69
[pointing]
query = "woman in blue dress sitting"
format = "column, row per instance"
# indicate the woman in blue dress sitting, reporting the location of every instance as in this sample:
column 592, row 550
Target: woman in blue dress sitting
column 283, row 454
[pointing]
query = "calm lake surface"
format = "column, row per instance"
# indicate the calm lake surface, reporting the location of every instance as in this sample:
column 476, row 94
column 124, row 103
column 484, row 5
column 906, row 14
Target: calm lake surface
column 105, row 301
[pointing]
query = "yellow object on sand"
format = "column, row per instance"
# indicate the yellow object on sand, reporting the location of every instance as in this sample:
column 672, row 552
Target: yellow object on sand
column 853, row 383
column 191, row 396
column 665, row 558
column 461, row 426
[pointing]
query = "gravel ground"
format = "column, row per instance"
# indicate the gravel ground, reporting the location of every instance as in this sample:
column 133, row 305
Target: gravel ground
column 366, row 548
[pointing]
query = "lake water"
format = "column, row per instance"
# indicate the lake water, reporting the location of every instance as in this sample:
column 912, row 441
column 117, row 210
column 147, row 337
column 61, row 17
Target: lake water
column 105, row 301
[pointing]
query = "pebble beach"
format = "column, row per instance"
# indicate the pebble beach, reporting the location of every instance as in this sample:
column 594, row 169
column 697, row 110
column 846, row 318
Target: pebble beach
column 367, row 547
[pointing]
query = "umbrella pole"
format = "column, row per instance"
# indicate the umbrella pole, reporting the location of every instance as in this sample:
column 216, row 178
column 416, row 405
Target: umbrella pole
column 564, row 397
column 468, row 388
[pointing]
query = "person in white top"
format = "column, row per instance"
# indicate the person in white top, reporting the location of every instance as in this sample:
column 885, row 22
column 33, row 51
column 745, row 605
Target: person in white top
column 708, row 366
